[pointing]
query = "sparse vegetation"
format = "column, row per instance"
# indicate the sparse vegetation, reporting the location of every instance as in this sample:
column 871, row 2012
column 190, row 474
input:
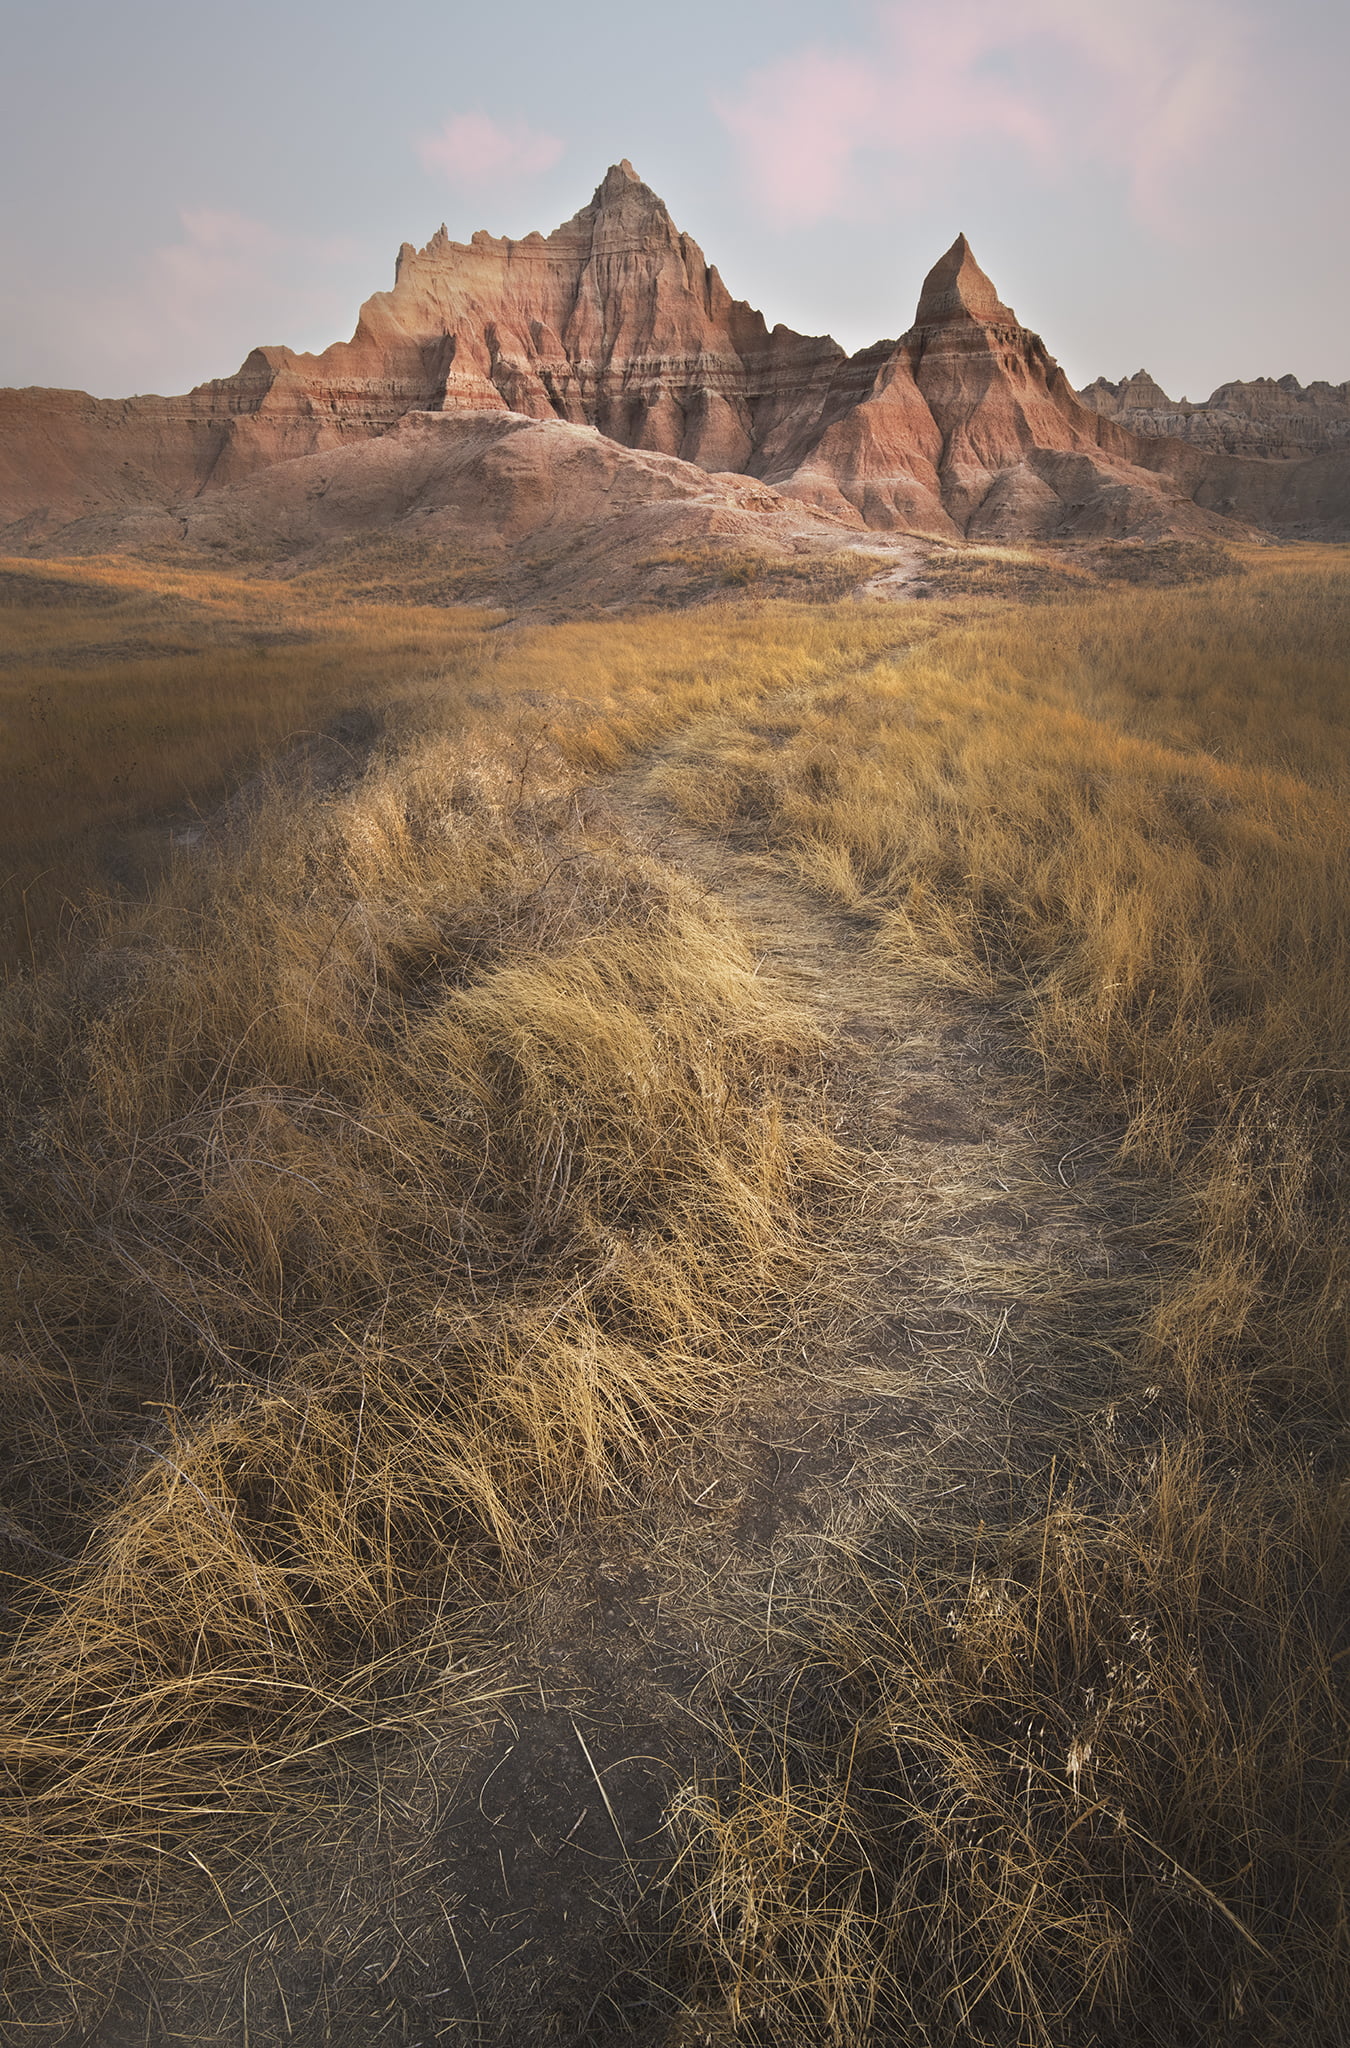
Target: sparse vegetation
column 707, row 572
column 413, row 1170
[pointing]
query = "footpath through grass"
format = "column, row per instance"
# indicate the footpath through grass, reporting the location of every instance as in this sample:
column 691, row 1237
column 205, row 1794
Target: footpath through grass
column 407, row 1170
column 1069, row 1767
column 134, row 700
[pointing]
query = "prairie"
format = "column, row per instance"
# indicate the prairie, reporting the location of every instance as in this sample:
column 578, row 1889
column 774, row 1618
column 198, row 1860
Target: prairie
column 135, row 699
column 398, row 1182
column 1089, row 1733
column 131, row 697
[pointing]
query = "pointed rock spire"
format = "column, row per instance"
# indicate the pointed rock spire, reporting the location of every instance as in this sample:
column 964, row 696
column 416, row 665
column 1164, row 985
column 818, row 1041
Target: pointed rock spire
column 618, row 182
column 957, row 286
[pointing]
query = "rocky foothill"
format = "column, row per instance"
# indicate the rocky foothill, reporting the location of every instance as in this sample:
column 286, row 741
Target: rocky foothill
column 1272, row 416
column 709, row 422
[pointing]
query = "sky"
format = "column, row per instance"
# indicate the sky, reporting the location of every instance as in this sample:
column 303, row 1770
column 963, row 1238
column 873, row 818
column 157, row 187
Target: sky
column 1149, row 183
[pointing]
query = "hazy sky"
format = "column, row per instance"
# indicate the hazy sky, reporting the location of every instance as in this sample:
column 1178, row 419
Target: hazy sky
column 1148, row 182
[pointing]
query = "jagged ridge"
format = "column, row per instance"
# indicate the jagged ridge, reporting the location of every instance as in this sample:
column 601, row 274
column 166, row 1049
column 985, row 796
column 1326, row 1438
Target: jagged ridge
column 616, row 321
column 1272, row 416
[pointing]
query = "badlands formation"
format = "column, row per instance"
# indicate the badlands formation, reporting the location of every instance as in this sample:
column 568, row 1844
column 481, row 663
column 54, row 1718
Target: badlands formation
column 1267, row 416
column 600, row 387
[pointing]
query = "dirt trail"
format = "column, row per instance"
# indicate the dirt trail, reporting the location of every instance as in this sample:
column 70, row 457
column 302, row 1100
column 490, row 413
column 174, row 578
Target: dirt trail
column 922, row 1349
column 982, row 1201
column 504, row 1913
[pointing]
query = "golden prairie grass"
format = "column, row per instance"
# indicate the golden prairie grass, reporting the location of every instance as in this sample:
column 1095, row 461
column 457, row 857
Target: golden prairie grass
column 1076, row 1774
column 396, row 1180
column 134, row 699
column 1128, row 818
column 375, row 1199
column 130, row 696
column 1066, row 1781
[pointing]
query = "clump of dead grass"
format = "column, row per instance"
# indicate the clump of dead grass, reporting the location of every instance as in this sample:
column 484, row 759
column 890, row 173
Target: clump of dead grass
column 377, row 1198
column 1059, row 1783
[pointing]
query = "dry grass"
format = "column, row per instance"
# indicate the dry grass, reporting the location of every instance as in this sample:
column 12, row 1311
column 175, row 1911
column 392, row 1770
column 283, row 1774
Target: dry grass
column 134, row 698
column 1076, row 1774
column 405, row 1176
column 1129, row 820
column 708, row 571
column 1034, row 574
column 131, row 696
column 1068, row 1783
column 373, row 1200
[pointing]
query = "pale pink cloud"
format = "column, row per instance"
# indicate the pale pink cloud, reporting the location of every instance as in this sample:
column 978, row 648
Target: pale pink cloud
column 221, row 258
column 1140, row 86
column 473, row 150
column 226, row 268
column 799, row 124
column 196, row 305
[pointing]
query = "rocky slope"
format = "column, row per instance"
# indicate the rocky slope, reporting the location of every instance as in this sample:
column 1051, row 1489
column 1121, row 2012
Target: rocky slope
column 1268, row 416
column 615, row 321
column 518, row 510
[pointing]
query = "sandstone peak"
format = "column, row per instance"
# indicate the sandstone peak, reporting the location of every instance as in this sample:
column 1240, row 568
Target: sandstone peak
column 615, row 321
column 620, row 182
column 957, row 286
column 1143, row 391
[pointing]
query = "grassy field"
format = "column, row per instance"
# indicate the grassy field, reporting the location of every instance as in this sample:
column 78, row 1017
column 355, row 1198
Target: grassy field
column 374, row 1198
column 1092, row 1785
column 405, row 1173
column 136, row 700
column 132, row 700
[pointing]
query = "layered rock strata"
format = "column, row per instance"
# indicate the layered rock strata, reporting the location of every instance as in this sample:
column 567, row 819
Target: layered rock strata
column 615, row 321
column 968, row 425
column 1268, row 416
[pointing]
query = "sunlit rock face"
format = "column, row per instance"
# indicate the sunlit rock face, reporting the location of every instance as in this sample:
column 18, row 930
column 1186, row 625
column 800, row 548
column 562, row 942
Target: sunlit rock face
column 964, row 426
column 615, row 320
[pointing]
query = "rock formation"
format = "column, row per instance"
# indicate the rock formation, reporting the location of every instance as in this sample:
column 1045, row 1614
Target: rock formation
column 518, row 509
column 1270, row 416
column 615, row 320
column 965, row 425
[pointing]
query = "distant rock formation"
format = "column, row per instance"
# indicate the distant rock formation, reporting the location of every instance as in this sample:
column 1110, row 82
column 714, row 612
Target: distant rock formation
column 615, row 321
column 967, row 425
column 1272, row 416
